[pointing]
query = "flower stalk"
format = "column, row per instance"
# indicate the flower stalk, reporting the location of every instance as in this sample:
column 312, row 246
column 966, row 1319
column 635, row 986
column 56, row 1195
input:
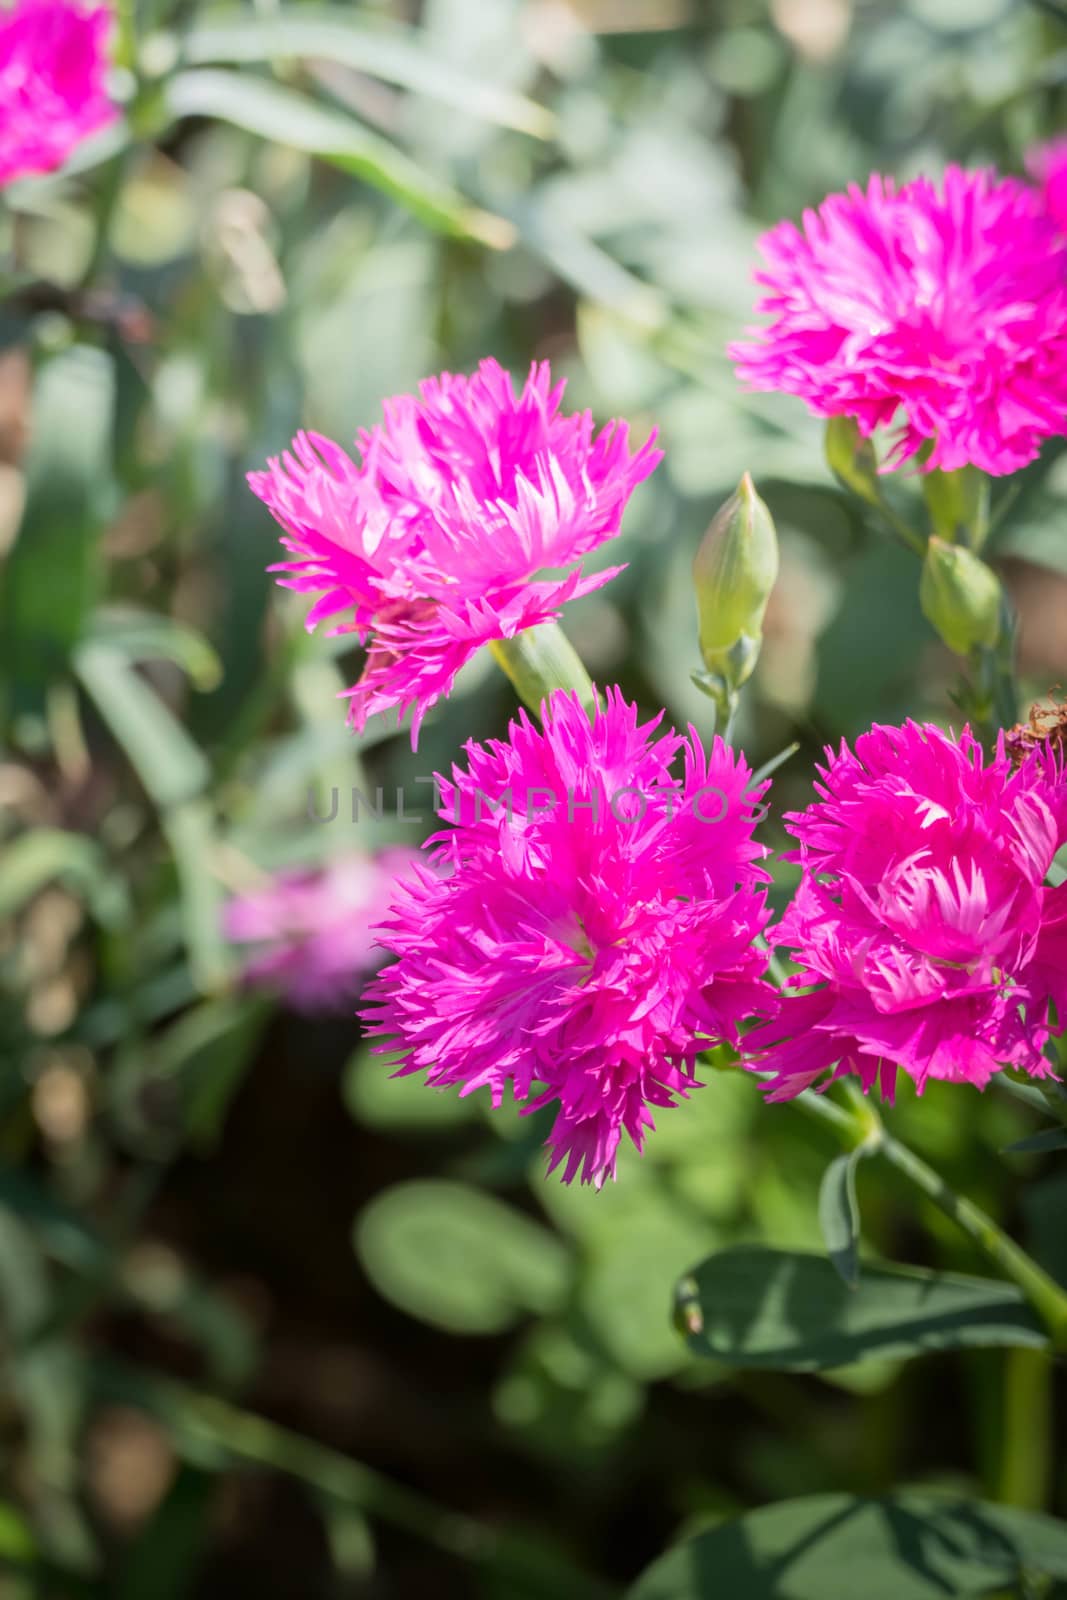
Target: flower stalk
column 861, row 1124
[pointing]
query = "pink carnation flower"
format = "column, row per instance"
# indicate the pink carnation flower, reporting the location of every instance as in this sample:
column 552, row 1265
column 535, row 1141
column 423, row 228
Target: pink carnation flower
column 430, row 545
column 590, row 928
column 948, row 305
column 53, row 94
column 311, row 930
column 1047, row 165
column 925, row 934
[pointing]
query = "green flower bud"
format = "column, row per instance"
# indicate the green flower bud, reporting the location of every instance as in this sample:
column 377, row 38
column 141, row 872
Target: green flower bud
column 733, row 573
column 961, row 596
column 852, row 460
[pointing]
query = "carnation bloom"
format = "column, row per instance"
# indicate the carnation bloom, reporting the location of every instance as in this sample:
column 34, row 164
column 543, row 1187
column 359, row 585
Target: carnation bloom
column 944, row 308
column 925, row 934
column 1047, row 165
column 430, row 545
column 589, row 928
column 53, row 94
column 310, row 930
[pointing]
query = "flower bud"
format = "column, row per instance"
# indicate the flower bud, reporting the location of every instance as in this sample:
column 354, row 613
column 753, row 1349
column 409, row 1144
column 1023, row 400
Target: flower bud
column 733, row 574
column 961, row 596
column 852, row 460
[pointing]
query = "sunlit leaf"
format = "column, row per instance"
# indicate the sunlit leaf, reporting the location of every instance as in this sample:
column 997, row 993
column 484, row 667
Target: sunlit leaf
column 288, row 117
column 398, row 55
column 835, row 1546
column 754, row 1307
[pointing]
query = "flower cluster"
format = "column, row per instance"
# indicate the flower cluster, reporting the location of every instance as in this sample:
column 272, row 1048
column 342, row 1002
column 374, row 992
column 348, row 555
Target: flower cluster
column 925, row 935
column 430, row 546
column 53, row 90
column 310, row 931
column 584, row 953
column 943, row 307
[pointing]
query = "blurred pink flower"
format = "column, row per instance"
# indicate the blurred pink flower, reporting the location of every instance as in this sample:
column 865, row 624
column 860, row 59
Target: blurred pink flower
column 925, row 934
column 53, row 93
column 430, row 546
column 311, row 930
column 947, row 304
column 589, row 930
column 1047, row 165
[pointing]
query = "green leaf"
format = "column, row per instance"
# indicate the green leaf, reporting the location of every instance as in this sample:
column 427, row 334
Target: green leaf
column 52, row 574
column 203, row 1055
column 909, row 1546
column 839, row 1214
column 773, row 764
column 459, row 1259
column 16, row 1537
column 171, row 767
column 190, row 833
column 283, row 115
column 378, row 1099
column 1038, row 1143
column 146, row 636
column 173, row 771
column 752, row 1307
column 400, row 56
column 163, row 1557
column 35, row 859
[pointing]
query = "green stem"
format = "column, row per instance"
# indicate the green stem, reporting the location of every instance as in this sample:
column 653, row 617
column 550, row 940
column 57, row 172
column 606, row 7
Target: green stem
column 540, row 660
column 204, row 1427
column 1025, row 1445
column 1042, row 1291
column 907, row 535
column 201, row 1422
column 865, row 1126
column 994, row 701
column 107, row 197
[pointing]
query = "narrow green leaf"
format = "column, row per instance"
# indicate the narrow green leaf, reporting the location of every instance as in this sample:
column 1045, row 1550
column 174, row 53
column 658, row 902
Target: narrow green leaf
column 202, row 1057
column 174, row 772
column 212, row 1049
column 146, row 636
column 399, row 56
column 51, row 577
column 166, row 760
column 288, row 117
column 752, row 1307
column 839, row 1214
column 773, row 764
column 1038, row 1143
column 162, row 1560
column 35, row 859
column 190, row 833
column 909, row 1546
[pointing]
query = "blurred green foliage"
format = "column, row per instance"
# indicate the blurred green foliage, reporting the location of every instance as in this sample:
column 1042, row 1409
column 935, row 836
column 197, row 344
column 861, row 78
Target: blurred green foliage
column 203, row 1390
